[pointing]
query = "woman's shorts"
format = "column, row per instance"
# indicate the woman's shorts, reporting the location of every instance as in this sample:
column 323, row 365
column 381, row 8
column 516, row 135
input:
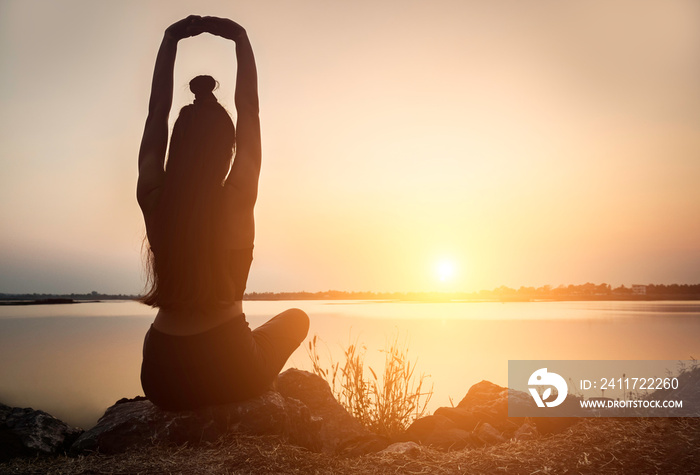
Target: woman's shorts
column 225, row 364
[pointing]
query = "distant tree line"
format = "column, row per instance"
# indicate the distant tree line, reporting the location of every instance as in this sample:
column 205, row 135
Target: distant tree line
column 94, row 295
column 587, row 291
column 590, row 291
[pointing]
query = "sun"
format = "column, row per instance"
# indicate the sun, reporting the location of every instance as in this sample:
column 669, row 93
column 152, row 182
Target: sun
column 445, row 270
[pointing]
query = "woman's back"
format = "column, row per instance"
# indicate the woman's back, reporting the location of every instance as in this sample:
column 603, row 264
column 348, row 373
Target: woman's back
column 200, row 349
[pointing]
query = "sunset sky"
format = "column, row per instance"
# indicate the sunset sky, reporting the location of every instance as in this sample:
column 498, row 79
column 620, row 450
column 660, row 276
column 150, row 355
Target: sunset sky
column 407, row 145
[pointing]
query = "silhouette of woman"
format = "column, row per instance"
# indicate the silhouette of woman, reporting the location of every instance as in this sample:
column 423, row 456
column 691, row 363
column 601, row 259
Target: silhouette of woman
column 198, row 210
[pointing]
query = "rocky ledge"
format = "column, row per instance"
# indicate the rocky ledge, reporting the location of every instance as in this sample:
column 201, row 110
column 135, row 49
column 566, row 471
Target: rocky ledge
column 302, row 411
column 26, row 433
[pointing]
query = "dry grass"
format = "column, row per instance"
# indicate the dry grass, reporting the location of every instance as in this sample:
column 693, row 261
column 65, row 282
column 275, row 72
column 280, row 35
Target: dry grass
column 387, row 406
column 609, row 446
column 398, row 398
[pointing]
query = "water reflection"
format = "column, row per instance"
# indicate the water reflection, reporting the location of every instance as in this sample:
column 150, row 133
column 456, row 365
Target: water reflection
column 76, row 360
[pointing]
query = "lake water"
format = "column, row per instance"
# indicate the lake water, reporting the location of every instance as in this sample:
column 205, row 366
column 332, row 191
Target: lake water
column 74, row 361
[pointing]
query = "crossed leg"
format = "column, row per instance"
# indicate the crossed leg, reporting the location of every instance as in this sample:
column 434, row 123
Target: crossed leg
column 277, row 339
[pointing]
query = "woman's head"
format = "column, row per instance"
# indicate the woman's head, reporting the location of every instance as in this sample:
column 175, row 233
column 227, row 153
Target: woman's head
column 187, row 250
column 203, row 137
column 202, row 87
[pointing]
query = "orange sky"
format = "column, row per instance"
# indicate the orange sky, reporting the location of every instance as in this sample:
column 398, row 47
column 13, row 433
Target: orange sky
column 520, row 143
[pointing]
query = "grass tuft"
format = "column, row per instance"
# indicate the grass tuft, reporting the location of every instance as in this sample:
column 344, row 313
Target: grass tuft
column 386, row 405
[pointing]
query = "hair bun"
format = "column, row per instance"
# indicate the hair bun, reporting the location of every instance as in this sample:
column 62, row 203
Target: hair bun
column 202, row 87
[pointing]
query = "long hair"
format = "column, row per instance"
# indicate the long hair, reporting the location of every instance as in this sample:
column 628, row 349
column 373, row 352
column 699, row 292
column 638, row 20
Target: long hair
column 186, row 253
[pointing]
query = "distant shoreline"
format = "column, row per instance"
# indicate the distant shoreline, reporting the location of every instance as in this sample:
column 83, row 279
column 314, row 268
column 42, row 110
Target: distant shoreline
column 684, row 298
column 47, row 301
column 547, row 293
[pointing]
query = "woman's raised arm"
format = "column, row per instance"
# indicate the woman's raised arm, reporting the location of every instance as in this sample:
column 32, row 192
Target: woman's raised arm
column 155, row 135
column 246, row 166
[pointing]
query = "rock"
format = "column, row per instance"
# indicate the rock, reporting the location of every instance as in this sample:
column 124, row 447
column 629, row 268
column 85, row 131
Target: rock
column 27, row 432
column 338, row 427
column 421, row 430
column 404, row 448
column 481, row 418
column 133, row 423
column 482, row 393
column 488, row 435
column 302, row 410
column 488, row 402
column 440, row 432
column 463, row 418
column 519, row 400
column 485, row 402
